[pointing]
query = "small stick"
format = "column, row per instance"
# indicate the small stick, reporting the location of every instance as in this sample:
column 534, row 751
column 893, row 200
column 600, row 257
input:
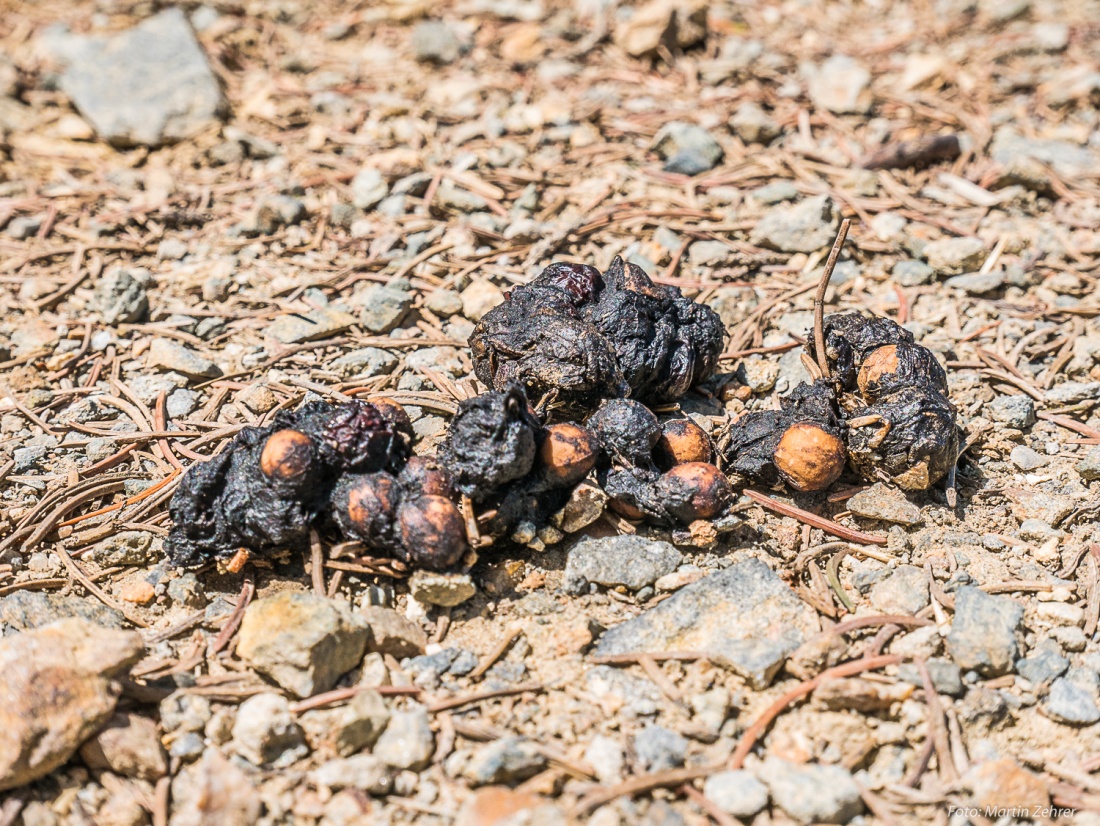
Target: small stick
column 827, row 525
column 496, row 653
column 636, row 785
column 317, row 564
column 248, row 590
column 478, row 696
column 237, row 562
column 819, row 299
column 473, row 535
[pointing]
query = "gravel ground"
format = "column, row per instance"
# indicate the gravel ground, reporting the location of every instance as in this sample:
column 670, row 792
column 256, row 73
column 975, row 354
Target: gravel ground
column 237, row 206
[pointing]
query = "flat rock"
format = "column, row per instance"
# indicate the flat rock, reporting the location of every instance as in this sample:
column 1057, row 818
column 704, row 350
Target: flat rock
column 632, row 561
column 736, row 793
column 983, row 632
column 148, row 85
column 302, row 641
column 1067, row 159
column 446, row 590
column 322, row 322
column 178, row 358
column 1089, row 467
column 812, row 793
column 214, row 791
column 806, row 226
column 1028, row 503
column 903, row 591
column 408, row 741
column 25, row 610
column 659, row 749
column 744, row 618
column 1071, row 703
column 840, row 85
column 120, row 297
column 977, row 283
column 392, row 633
column 507, row 760
column 955, row 255
column 60, row 684
column 1043, row 663
column 349, row 728
column 1017, row 411
column 383, row 307
column 124, row 548
column 128, row 745
column 360, row 771
column 687, row 149
column 265, row 732
column 886, row 504
column 480, row 297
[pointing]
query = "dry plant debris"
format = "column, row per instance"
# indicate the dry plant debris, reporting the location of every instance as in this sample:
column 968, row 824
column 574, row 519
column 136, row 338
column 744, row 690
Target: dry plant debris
column 216, row 216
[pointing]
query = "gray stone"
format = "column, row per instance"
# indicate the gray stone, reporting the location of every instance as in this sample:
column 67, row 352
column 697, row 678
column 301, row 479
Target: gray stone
column 1073, row 392
column 452, row 196
column 1016, row 411
column 120, row 297
column 181, row 403
column 839, row 85
column 977, row 283
column 148, row 85
column 806, row 226
column 627, row 560
column 124, row 548
column 26, row 458
column 903, row 591
column 171, row 355
column 25, row 610
column 1043, row 663
column 364, row 363
column 955, row 255
column 265, row 732
column 311, row 325
column 639, row 696
column 1069, row 702
column 586, row 505
column 392, row 633
column 360, row 771
column 886, row 504
column 302, row 641
column 812, row 793
column 753, row 125
column 480, row 297
column 775, row 193
column 446, row 590
column 187, row 591
column 23, row 227
column 270, row 214
column 407, row 742
column 444, row 303
column 349, row 728
column 710, row 254
column 946, row 676
column 983, row 632
column 911, row 273
column 60, row 684
column 658, row 748
column 1027, row 459
column 1036, row 530
column 687, row 149
column 383, row 307
column 1028, row 503
column 757, row 373
column 507, row 760
column 184, row 712
column 368, row 188
column 605, row 756
column 1089, row 467
column 433, row 41
column 736, row 793
column 744, row 618
column 1067, row 159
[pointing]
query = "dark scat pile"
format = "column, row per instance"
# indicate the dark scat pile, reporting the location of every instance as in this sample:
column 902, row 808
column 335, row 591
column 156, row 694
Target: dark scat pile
column 902, row 427
column 573, row 337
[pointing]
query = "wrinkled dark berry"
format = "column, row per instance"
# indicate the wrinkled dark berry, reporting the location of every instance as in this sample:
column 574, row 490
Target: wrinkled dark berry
column 852, row 337
column 354, row 437
column 571, row 337
column 628, row 431
column 433, row 534
column 491, row 441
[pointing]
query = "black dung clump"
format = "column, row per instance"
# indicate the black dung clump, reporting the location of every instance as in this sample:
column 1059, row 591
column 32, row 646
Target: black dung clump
column 574, row 336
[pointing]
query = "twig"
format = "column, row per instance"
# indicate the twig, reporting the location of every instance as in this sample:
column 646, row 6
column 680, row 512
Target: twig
column 478, row 696
column 496, row 653
column 827, row 525
column 819, row 299
column 636, row 785
column 760, row 725
column 317, row 563
column 248, row 590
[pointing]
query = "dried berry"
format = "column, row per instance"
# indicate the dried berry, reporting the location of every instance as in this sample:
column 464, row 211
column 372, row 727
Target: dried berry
column 682, row 440
column 364, row 507
column 572, row 337
column 627, row 430
column 433, row 534
column 801, row 444
column 287, row 454
column 694, row 490
column 354, row 437
column 850, row 338
column 898, row 366
column 908, row 437
column 491, row 441
column 568, row 452
column 427, row 476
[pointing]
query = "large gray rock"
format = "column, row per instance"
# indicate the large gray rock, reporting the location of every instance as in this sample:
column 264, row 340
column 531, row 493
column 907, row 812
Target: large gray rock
column 744, row 618
column 348, row 728
column 633, row 561
column 1065, row 158
column 812, row 793
column 59, row 685
column 507, row 760
column 736, row 793
column 148, row 85
column 687, row 149
column 954, row 255
column 1072, row 702
column 312, row 325
column 265, row 732
column 302, row 641
column 806, row 226
column 407, row 742
column 120, row 296
column 983, row 632
column 25, row 610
